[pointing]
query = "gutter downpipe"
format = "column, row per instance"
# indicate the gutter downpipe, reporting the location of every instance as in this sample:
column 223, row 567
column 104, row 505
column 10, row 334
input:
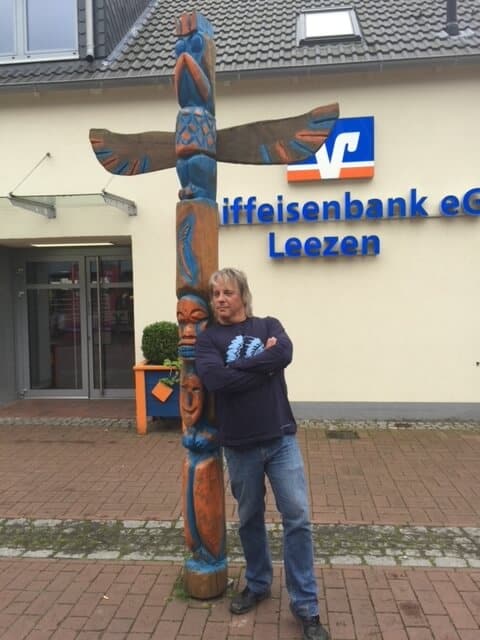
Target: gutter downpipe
column 452, row 24
column 90, row 56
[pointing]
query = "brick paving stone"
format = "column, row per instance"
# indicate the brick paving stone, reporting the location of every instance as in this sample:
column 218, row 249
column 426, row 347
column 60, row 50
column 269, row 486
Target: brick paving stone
column 265, row 631
column 166, row 630
column 442, row 628
column 130, row 606
column 401, row 589
column 356, row 586
column 20, row 628
column 158, row 595
column 147, row 619
column 193, row 622
column 242, row 625
column 86, row 605
column 463, row 582
column 16, row 607
column 412, row 614
column 53, row 617
column 72, row 593
column 37, row 634
column 269, row 610
column 341, row 626
column 42, row 603
column 472, row 600
column 216, row 630
column 419, row 634
column 337, row 600
column 466, row 634
column 73, row 623
column 430, row 602
column 363, row 613
column 460, row 616
column 100, row 617
column 174, row 610
column 447, row 593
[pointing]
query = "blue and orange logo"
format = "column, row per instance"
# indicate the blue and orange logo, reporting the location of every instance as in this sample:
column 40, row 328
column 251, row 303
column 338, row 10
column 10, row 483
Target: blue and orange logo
column 348, row 153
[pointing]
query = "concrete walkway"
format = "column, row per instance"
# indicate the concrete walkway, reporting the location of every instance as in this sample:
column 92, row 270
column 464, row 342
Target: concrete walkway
column 90, row 534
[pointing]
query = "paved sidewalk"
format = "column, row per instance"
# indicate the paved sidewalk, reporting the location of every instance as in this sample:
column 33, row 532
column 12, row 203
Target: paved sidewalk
column 396, row 515
column 61, row 600
column 403, row 476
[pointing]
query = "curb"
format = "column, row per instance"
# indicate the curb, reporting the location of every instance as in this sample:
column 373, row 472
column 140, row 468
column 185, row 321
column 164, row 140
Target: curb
column 151, row 540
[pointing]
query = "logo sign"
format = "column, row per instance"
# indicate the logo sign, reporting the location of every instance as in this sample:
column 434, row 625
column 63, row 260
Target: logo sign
column 348, row 153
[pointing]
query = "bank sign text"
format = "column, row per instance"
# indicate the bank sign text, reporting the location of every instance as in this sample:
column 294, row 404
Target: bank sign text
column 415, row 205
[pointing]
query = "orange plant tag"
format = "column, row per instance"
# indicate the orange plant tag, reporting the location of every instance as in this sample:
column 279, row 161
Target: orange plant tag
column 162, row 391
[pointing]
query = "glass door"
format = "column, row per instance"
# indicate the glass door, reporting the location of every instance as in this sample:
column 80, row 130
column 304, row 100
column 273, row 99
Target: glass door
column 111, row 333
column 55, row 329
column 75, row 316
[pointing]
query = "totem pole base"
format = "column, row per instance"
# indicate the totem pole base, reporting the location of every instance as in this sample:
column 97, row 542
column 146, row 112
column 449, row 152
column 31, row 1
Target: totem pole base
column 209, row 583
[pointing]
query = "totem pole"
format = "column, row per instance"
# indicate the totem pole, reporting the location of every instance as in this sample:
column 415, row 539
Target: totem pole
column 194, row 149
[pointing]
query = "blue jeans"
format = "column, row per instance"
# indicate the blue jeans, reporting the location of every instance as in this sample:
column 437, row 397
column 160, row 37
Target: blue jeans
column 281, row 461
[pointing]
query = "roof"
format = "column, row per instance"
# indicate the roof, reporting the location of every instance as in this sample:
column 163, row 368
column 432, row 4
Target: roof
column 254, row 37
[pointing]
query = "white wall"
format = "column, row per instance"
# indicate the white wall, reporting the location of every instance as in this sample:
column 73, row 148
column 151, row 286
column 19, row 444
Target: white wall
column 398, row 327
column 59, row 123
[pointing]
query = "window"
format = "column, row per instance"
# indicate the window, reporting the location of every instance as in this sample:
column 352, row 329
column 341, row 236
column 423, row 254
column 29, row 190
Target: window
column 38, row 30
column 328, row 26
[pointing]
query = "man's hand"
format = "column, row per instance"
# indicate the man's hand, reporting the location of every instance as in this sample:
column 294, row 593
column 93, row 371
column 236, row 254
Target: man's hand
column 271, row 342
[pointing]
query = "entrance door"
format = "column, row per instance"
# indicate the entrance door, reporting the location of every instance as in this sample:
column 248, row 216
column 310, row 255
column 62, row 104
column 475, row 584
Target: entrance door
column 77, row 318
column 110, row 324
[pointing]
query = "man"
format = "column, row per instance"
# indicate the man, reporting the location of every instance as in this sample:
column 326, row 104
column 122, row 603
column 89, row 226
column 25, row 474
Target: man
column 242, row 359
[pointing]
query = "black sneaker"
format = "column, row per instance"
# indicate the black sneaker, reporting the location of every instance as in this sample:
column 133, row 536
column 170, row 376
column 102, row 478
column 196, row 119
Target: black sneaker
column 247, row 600
column 312, row 628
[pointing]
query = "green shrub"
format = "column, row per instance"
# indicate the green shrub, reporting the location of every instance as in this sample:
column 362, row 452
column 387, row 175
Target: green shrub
column 160, row 342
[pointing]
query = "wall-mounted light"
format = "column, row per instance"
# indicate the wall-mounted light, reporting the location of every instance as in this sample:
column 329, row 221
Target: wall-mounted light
column 74, row 244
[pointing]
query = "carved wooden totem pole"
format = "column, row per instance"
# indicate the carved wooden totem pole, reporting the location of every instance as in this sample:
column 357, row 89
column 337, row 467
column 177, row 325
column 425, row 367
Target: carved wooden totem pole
column 194, row 149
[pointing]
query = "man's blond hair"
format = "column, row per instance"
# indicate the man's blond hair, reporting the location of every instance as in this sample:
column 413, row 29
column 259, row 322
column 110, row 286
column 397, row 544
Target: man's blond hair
column 229, row 274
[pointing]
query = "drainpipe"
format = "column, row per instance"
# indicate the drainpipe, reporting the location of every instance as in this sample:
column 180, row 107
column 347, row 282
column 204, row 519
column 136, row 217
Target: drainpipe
column 89, row 30
column 452, row 24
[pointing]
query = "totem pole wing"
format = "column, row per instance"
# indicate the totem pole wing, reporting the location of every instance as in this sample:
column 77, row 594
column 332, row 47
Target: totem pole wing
column 129, row 154
column 277, row 141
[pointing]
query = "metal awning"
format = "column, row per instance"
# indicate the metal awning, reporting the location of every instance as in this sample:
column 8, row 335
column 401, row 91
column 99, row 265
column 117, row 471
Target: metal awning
column 46, row 205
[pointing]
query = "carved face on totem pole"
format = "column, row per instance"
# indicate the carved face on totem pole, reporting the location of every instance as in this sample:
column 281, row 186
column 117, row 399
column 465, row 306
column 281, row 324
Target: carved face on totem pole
column 192, row 318
column 191, row 398
column 195, row 142
column 195, row 66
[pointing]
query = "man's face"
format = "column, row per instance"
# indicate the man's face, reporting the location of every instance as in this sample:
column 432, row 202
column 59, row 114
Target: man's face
column 227, row 302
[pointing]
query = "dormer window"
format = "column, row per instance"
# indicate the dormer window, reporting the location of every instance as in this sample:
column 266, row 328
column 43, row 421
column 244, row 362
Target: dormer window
column 38, row 30
column 330, row 25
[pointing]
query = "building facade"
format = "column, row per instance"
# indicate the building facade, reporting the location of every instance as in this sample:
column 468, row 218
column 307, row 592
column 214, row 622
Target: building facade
column 368, row 255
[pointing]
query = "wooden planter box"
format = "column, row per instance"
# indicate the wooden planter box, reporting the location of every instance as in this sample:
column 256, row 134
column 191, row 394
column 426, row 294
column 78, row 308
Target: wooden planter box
column 152, row 398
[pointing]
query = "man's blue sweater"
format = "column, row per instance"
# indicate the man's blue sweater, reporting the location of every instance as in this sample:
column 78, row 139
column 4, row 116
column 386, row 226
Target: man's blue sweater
column 251, row 401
